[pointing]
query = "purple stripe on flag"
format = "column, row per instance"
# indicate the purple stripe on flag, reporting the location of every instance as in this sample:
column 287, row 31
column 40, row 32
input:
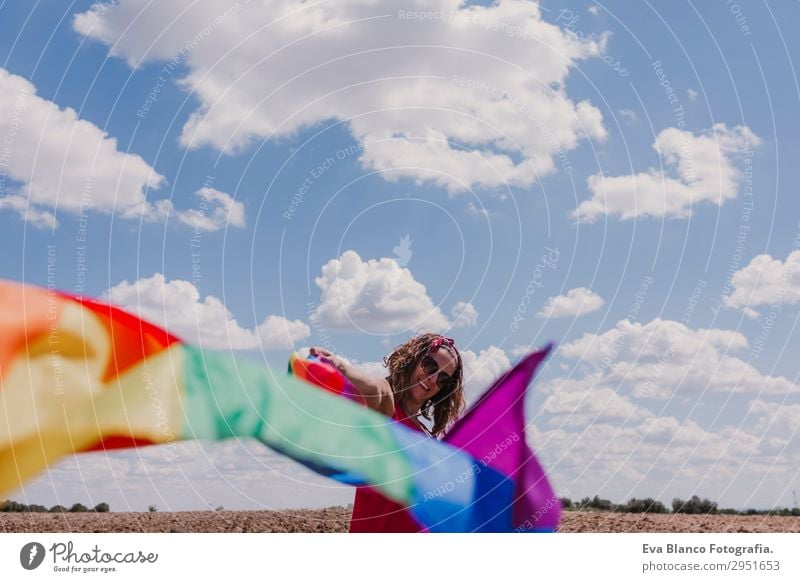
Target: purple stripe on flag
column 493, row 432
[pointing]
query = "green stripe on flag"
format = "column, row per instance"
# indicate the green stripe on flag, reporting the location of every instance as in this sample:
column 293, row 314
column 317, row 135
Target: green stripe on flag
column 227, row 397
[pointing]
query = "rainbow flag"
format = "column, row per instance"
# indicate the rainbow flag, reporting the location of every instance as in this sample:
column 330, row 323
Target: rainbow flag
column 79, row 375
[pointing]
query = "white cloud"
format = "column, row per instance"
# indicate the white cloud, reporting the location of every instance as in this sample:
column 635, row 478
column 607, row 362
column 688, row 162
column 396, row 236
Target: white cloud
column 692, row 94
column 622, row 455
column 487, row 108
column 481, row 369
column 473, row 208
column 765, row 282
column 576, row 302
column 56, row 162
column 377, row 296
column 184, row 476
column 176, row 305
column 217, row 210
column 29, row 213
column 64, row 162
column 277, row 332
column 628, row 115
column 596, row 437
column 704, row 168
column 663, row 358
column 520, row 350
column 581, row 407
column 776, row 418
column 464, row 314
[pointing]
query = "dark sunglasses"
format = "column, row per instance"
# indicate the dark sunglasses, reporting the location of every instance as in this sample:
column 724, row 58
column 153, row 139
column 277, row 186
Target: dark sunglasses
column 430, row 367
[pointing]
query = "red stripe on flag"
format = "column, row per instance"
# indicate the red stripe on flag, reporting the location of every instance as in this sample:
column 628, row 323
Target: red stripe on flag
column 118, row 442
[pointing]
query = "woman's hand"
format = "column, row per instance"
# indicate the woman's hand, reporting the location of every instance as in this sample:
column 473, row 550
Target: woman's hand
column 340, row 364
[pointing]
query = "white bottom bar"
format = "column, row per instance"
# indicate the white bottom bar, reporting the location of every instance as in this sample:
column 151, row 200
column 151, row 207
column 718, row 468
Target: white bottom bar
column 389, row 557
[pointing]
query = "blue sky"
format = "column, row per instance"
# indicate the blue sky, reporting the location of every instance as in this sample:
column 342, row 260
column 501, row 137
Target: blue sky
column 615, row 178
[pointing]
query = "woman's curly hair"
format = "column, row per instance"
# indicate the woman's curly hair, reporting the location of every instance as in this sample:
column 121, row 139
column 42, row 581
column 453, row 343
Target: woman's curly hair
column 446, row 405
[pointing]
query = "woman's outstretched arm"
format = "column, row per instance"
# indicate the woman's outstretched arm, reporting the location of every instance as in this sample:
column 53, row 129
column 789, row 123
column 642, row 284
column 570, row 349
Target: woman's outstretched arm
column 376, row 391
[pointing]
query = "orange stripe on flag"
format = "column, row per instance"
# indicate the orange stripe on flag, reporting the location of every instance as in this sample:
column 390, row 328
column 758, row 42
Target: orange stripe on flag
column 132, row 339
column 25, row 316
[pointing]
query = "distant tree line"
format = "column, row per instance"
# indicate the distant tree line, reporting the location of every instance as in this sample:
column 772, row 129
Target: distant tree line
column 695, row 505
column 14, row 507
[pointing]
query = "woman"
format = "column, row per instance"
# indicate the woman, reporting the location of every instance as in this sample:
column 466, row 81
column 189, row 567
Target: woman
column 425, row 380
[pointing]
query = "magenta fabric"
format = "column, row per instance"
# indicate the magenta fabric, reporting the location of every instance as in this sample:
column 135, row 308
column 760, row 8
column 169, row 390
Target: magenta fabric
column 493, row 431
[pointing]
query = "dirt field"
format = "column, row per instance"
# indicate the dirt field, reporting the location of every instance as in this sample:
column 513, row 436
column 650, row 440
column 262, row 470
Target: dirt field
column 335, row 519
column 587, row 521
